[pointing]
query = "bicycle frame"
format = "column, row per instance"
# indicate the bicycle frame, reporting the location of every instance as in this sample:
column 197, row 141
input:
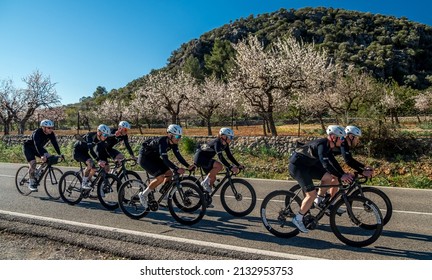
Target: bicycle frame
column 343, row 193
column 219, row 182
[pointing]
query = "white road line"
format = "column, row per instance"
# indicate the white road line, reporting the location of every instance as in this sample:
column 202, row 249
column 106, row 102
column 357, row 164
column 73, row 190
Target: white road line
column 167, row 238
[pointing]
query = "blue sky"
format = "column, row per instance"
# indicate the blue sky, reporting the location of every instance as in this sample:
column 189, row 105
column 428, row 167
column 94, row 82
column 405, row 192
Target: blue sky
column 83, row 44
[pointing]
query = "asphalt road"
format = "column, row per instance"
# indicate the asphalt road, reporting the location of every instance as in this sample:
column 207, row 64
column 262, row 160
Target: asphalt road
column 407, row 236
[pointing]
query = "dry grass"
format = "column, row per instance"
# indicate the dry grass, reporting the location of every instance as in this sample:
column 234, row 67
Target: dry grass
column 255, row 130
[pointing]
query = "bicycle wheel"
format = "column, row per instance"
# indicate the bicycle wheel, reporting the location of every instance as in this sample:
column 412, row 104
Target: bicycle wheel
column 238, row 198
column 51, row 182
column 70, row 187
column 129, row 201
column 130, row 175
column 380, row 199
column 351, row 229
column 107, row 191
column 277, row 210
column 22, row 180
column 187, row 204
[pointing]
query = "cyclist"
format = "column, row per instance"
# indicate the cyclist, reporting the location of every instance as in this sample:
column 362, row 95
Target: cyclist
column 35, row 147
column 118, row 135
column 315, row 160
column 153, row 157
column 205, row 153
column 352, row 139
column 92, row 147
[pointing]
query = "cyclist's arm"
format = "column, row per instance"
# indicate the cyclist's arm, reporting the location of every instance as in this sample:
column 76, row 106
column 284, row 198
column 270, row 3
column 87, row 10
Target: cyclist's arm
column 54, row 142
column 39, row 143
column 329, row 162
column 180, row 157
column 101, row 152
column 128, row 146
column 350, row 161
column 231, row 157
column 219, row 152
column 163, row 152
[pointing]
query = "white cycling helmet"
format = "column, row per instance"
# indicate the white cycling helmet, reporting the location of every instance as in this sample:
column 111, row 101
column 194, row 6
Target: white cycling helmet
column 336, row 130
column 104, row 129
column 354, row 130
column 226, row 131
column 175, row 129
column 124, row 124
column 47, row 123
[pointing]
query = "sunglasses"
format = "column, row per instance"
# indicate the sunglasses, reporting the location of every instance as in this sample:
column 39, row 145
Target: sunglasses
column 177, row 136
column 342, row 138
column 50, row 128
column 105, row 134
column 230, row 137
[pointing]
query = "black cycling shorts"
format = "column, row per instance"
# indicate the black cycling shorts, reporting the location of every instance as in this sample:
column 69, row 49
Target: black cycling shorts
column 81, row 155
column 204, row 162
column 30, row 153
column 113, row 153
column 305, row 175
column 154, row 165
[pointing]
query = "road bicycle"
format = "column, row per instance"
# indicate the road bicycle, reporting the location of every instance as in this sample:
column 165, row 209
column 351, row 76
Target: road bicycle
column 360, row 225
column 238, row 197
column 377, row 196
column 119, row 169
column 44, row 171
column 186, row 202
column 105, row 184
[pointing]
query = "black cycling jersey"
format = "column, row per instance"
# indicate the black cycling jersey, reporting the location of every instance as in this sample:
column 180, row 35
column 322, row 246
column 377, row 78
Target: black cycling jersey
column 216, row 147
column 344, row 150
column 317, row 151
column 38, row 141
column 159, row 147
column 96, row 147
column 113, row 140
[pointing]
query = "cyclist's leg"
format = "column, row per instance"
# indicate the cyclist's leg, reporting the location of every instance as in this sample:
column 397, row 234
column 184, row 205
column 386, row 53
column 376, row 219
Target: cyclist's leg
column 328, row 179
column 30, row 155
column 157, row 168
column 211, row 167
column 304, row 176
column 116, row 155
column 90, row 169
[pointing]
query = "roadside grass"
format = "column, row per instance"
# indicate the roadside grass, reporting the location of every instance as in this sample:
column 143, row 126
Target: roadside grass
column 266, row 163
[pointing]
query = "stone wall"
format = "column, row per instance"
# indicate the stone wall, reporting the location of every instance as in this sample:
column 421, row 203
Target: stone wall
column 281, row 144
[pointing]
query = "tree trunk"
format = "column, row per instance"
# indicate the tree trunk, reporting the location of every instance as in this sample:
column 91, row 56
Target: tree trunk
column 299, row 124
column 6, row 129
column 209, row 131
column 271, row 124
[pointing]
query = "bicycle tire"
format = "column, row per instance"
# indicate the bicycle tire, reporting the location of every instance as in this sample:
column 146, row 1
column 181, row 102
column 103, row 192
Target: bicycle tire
column 238, row 202
column 187, row 204
column 70, row 187
column 21, row 180
column 107, row 191
column 192, row 179
column 277, row 210
column 380, row 199
column 349, row 229
column 51, row 182
column 130, row 175
column 129, row 201
column 295, row 188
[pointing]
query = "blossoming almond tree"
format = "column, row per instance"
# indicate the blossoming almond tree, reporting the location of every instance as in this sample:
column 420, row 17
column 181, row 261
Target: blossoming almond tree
column 209, row 98
column 269, row 78
column 167, row 90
